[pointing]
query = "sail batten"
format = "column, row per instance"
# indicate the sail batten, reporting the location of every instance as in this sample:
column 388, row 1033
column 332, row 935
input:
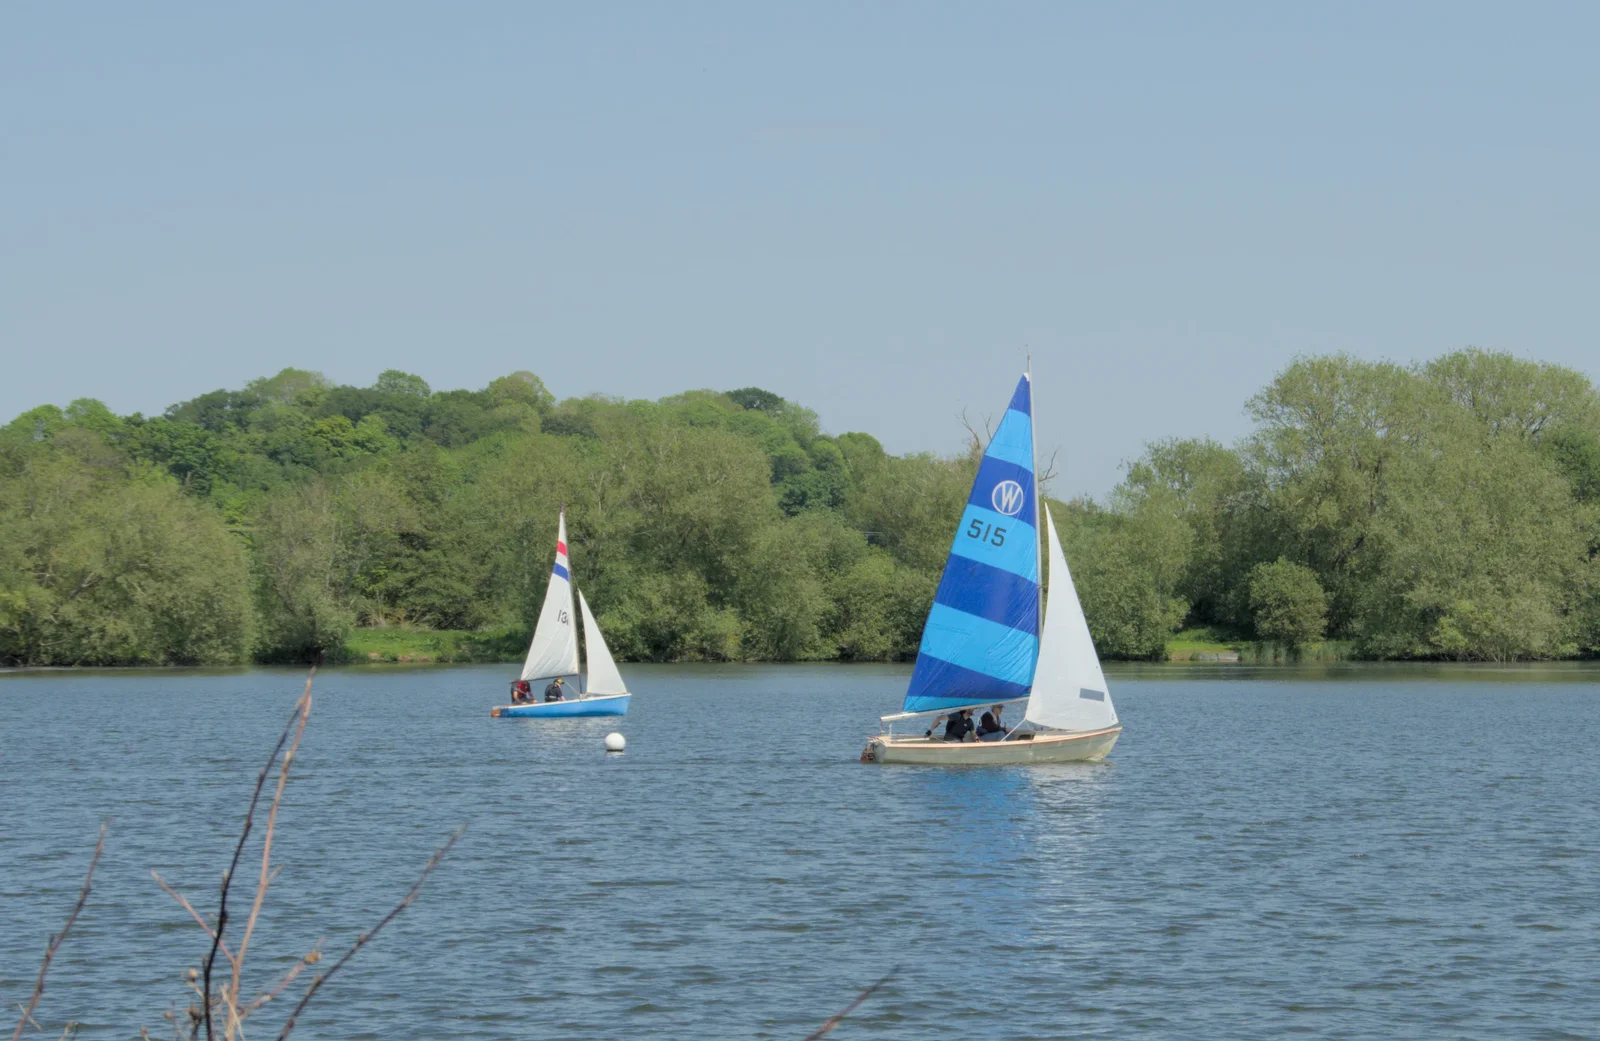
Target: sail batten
column 981, row 641
column 554, row 650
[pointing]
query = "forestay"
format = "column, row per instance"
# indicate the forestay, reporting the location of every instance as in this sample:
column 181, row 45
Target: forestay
column 982, row 635
column 554, row 651
column 603, row 675
column 1069, row 690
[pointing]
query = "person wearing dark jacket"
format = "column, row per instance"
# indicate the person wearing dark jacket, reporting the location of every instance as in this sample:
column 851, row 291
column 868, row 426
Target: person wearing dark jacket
column 554, row 691
column 990, row 728
column 957, row 726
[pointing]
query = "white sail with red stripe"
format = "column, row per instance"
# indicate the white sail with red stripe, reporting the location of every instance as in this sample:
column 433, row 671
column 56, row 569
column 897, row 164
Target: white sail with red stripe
column 554, row 651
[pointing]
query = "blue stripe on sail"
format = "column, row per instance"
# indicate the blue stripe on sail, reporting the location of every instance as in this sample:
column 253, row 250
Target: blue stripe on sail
column 977, row 644
column 1013, row 442
column 981, row 641
column 1004, row 487
column 1018, row 551
column 561, row 572
column 976, row 588
column 939, row 685
column 1022, row 398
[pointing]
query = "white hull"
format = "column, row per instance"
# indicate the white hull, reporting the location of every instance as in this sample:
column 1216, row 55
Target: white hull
column 1088, row 746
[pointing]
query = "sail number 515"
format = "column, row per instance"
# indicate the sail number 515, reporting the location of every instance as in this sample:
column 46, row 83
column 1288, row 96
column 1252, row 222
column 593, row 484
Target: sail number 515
column 994, row 536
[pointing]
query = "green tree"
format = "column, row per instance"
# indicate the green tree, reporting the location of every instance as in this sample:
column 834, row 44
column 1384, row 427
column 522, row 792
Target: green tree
column 296, row 557
column 393, row 381
column 1127, row 567
column 103, row 566
column 522, row 388
column 1288, row 602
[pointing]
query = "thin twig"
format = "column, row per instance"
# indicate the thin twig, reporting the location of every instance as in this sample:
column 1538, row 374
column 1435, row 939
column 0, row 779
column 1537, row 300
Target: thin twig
column 312, row 957
column 227, row 879
column 55, row 941
column 179, row 897
column 231, row 989
column 361, row 941
column 1048, row 474
column 837, row 1018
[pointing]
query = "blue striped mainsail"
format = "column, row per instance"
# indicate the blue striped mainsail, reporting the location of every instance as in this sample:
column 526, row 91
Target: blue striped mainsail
column 982, row 638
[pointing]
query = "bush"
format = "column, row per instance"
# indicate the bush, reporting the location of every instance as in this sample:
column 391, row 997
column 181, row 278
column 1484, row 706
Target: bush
column 1288, row 603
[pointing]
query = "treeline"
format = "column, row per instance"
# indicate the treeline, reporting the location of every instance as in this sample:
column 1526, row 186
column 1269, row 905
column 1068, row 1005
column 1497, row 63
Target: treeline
column 267, row 523
column 1447, row 510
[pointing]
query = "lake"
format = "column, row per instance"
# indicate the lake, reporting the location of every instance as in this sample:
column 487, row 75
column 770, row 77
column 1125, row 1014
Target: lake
column 1362, row 852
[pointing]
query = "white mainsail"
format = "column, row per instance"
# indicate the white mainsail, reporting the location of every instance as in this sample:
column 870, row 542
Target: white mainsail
column 1069, row 690
column 603, row 675
column 554, row 651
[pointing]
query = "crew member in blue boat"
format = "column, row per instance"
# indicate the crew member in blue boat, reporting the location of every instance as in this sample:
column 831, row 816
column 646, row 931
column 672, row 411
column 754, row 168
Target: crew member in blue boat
column 957, row 726
column 554, row 691
column 520, row 691
column 989, row 727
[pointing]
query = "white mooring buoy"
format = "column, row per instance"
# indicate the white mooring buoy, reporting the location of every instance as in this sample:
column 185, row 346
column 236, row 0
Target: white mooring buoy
column 615, row 742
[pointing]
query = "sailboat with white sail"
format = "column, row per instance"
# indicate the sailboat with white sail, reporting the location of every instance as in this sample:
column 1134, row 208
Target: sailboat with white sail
column 984, row 644
column 554, row 654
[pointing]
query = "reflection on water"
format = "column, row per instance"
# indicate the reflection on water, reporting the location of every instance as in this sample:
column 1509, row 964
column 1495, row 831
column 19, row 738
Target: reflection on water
column 1336, row 851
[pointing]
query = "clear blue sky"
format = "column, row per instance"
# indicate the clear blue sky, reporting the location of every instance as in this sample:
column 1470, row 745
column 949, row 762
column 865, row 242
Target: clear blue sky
column 874, row 209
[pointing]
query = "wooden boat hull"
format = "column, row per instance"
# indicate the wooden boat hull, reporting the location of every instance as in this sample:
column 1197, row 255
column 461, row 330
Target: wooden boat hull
column 1050, row 747
column 605, row 705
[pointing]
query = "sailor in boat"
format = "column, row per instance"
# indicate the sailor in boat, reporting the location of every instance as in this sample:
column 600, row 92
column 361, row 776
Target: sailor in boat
column 521, row 692
column 989, row 727
column 554, row 691
column 957, row 726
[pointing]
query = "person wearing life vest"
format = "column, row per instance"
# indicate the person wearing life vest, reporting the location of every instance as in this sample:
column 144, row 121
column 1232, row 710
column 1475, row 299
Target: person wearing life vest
column 520, row 692
column 554, row 691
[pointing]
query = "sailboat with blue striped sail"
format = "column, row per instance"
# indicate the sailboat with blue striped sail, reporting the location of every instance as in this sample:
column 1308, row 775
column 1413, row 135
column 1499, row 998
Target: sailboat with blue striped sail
column 988, row 642
column 553, row 656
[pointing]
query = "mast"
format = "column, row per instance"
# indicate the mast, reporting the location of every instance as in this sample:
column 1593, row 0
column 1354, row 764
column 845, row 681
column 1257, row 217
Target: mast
column 1038, row 506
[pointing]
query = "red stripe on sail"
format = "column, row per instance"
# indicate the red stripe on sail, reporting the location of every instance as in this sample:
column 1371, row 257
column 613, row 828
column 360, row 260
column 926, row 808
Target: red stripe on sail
column 561, row 547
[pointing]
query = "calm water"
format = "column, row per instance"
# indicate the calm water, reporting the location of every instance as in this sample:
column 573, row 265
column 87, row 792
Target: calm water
column 1364, row 853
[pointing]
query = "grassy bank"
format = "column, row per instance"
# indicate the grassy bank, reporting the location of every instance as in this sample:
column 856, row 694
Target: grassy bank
column 426, row 646
column 1204, row 645
column 1214, row 645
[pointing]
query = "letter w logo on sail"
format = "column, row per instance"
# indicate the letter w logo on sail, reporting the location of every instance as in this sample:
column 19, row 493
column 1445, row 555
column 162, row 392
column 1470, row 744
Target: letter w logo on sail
column 1007, row 498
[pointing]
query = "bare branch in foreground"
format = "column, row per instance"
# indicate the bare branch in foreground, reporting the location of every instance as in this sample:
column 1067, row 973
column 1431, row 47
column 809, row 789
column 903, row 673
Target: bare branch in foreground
column 187, row 906
column 311, row 958
column 361, row 941
column 838, row 1017
column 55, row 941
column 230, row 990
column 300, row 708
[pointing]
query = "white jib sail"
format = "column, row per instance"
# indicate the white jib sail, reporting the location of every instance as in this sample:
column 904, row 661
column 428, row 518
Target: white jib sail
column 603, row 675
column 554, row 651
column 1069, row 690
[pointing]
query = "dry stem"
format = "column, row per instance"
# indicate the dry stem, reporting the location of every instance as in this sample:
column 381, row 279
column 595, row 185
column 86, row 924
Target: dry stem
column 55, row 941
column 300, row 708
column 179, row 897
column 838, row 1017
column 231, row 989
column 312, row 957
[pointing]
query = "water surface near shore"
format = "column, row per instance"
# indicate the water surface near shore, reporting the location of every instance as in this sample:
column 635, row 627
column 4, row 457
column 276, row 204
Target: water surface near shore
column 1338, row 851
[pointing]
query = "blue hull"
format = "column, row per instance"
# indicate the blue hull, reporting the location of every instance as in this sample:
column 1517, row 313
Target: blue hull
column 615, row 705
